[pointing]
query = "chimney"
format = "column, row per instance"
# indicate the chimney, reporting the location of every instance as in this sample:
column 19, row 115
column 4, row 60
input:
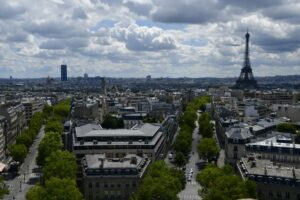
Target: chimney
column 101, row 162
column 133, row 160
column 294, row 173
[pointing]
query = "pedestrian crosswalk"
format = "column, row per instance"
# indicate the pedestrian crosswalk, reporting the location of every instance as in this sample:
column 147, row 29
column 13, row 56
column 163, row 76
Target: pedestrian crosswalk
column 192, row 183
column 187, row 196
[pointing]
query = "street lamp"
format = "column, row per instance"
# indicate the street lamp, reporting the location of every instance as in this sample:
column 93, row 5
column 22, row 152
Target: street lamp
column 20, row 186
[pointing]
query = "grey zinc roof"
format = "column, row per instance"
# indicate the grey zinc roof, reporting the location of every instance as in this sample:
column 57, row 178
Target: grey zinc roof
column 82, row 130
column 272, row 140
column 2, row 117
column 267, row 167
column 238, row 133
column 93, row 161
column 147, row 130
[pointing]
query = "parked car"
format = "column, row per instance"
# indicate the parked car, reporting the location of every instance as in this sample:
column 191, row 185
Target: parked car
column 201, row 164
column 14, row 167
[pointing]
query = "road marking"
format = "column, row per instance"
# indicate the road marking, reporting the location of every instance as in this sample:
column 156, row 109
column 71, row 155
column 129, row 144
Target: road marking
column 192, row 183
column 188, row 196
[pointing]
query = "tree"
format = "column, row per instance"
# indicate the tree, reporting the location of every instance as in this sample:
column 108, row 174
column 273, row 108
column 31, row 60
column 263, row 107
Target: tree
column 62, row 111
column 221, row 183
column 180, row 175
column 159, row 183
column 111, row 122
column 36, row 193
column 63, row 108
column 230, row 187
column 153, row 119
column 205, row 127
column 208, row 149
column 25, row 138
column 180, row 159
column 210, row 173
column 50, row 143
column 60, row 164
column 62, row 189
column 287, row 127
column 54, row 126
column 55, row 189
column 48, row 110
column 3, row 188
column 18, row 152
column 182, row 145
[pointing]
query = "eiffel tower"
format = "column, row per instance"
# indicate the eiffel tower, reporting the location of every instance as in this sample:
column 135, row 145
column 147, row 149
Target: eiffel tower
column 246, row 79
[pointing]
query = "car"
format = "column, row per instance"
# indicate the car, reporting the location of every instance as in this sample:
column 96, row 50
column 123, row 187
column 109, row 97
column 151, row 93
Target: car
column 201, row 164
column 190, row 178
column 191, row 171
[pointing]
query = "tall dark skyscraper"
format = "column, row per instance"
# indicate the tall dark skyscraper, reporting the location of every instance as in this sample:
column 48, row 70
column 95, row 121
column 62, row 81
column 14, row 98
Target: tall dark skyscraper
column 64, row 75
column 246, row 79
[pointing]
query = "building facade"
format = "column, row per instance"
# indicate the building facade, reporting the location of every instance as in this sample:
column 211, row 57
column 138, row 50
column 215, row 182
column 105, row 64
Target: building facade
column 235, row 141
column 3, row 125
column 144, row 139
column 63, row 71
column 112, row 178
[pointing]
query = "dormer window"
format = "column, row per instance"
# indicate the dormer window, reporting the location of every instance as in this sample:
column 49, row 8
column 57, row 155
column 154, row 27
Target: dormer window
column 235, row 140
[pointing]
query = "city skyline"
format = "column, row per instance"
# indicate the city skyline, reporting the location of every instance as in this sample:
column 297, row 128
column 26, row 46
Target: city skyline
column 135, row 38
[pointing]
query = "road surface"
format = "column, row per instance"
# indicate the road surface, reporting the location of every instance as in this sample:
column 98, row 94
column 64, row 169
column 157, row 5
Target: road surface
column 191, row 189
column 20, row 184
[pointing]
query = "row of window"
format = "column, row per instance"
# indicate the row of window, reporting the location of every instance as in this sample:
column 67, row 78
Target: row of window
column 112, row 185
column 111, row 171
column 278, row 195
column 107, row 197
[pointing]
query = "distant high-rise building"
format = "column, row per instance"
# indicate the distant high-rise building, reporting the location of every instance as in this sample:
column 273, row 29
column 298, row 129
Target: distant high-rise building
column 103, row 86
column 64, row 76
column 148, row 78
column 85, row 75
column 246, row 79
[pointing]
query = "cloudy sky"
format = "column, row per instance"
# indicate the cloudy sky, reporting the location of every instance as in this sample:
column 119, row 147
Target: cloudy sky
column 134, row 38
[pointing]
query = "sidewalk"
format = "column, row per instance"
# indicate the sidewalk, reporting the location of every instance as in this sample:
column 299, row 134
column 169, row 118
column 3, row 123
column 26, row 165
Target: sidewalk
column 20, row 184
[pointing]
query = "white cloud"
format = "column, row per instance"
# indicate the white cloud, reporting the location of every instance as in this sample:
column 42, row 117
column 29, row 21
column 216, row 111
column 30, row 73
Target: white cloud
column 132, row 38
column 143, row 38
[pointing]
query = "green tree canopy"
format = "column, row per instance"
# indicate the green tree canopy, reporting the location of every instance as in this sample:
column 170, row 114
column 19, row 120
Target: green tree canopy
column 221, row 183
column 48, row 110
column 205, row 127
column 111, row 122
column 180, row 159
column 54, row 126
column 50, row 143
column 35, row 124
column 160, row 183
column 3, row 188
column 182, row 145
column 62, row 109
column 18, row 152
column 60, row 164
column 287, row 127
column 36, row 193
column 55, row 189
column 25, row 138
column 208, row 149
